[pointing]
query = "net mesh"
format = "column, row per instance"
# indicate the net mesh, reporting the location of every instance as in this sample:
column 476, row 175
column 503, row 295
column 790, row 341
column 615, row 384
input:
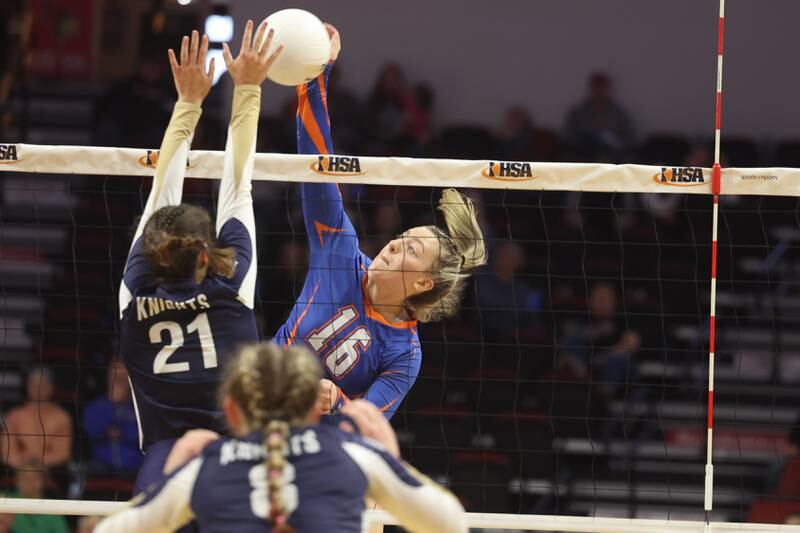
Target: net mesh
column 572, row 383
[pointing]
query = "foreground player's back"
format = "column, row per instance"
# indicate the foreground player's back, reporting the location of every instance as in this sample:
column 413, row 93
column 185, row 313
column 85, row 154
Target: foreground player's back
column 326, row 478
column 323, row 488
column 175, row 338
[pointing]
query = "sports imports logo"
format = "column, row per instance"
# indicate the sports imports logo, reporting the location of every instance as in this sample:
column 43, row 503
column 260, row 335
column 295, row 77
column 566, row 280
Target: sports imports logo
column 505, row 171
column 8, row 154
column 150, row 159
column 333, row 165
column 680, row 176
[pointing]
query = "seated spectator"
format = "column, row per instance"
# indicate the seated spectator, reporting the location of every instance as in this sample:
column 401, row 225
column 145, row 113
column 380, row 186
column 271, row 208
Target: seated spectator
column 31, row 480
column 86, row 524
column 508, row 303
column 6, row 521
column 517, row 135
column 393, row 108
column 38, row 429
column 110, row 423
column 598, row 128
column 601, row 346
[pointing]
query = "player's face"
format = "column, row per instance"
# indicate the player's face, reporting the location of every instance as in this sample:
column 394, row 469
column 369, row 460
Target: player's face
column 407, row 261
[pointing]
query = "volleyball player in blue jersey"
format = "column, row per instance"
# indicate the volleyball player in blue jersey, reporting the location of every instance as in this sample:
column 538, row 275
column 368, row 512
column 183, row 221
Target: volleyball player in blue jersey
column 282, row 471
column 186, row 299
column 358, row 314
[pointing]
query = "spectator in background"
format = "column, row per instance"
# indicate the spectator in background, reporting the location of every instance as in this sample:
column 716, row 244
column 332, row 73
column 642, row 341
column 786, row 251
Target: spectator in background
column 508, row 304
column 135, row 112
column 393, row 111
column 86, row 524
column 39, row 429
column 285, row 283
column 110, row 423
column 602, row 347
column 31, row 480
column 346, row 113
column 16, row 23
column 516, row 134
column 598, row 129
column 386, row 225
column 6, row 521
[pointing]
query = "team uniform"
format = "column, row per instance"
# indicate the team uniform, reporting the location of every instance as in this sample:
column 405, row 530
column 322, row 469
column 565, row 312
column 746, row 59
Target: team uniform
column 175, row 337
column 326, row 478
column 360, row 351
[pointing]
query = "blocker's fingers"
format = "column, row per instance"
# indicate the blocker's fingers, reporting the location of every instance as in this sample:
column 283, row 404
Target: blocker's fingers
column 258, row 41
column 194, row 46
column 173, row 61
column 226, row 56
column 201, row 58
column 264, row 50
column 274, row 56
column 247, row 37
column 210, row 74
column 184, row 51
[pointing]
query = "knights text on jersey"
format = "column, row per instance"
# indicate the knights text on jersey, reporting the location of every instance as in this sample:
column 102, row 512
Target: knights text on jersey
column 175, row 339
column 324, row 488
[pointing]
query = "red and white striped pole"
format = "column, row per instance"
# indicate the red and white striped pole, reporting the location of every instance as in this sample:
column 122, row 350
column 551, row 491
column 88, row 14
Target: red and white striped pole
column 716, row 178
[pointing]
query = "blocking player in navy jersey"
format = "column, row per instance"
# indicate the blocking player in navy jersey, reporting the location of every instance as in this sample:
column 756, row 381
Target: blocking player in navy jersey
column 282, row 471
column 186, row 299
column 359, row 314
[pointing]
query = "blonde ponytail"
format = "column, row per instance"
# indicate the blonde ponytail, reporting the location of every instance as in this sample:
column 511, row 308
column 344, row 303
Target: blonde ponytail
column 275, row 387
column 462, row 225
column 462, row 249
column 275, row 443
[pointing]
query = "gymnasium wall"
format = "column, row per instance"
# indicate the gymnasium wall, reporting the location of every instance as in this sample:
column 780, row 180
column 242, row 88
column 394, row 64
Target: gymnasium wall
column 662, row 54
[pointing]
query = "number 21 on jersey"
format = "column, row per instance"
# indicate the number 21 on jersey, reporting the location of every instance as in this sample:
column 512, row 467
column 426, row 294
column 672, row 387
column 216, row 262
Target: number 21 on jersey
column 175, row 340
column 340, row 359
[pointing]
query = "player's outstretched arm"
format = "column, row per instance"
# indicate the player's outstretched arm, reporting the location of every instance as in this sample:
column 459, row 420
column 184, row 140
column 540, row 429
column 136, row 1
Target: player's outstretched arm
column 248, row 70
column 328, row 227
column 419, row 503
column 161, row 509
column 192, row 82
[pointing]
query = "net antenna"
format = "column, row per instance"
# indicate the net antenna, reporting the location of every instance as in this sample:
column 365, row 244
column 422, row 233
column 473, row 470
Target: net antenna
column 716, row 186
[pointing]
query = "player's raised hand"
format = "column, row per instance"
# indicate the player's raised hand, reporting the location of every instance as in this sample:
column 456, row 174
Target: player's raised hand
column 372, row 424
column 336, row 41
column 327, row 396
column 254, row 60
column 191, row 79
column 188, row 447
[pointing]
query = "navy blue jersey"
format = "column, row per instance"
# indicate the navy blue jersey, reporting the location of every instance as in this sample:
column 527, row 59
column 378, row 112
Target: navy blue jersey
column 327, row 476
column 175, row 337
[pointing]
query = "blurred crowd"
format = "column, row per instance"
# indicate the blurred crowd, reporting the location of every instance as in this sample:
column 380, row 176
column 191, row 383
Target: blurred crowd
column 553, row 288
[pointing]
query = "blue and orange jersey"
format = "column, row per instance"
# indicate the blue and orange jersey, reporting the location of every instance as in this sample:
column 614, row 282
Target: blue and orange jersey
column 176, row 337
column 360, row 351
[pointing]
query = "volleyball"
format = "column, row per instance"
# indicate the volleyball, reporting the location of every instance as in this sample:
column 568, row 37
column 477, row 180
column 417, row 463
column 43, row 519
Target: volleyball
column 306, row 46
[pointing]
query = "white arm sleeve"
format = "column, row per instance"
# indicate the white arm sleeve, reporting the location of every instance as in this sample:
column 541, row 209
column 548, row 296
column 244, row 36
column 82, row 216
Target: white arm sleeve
column 170, row 172
column 418, row 503
column 235, row 198
column 162, row 511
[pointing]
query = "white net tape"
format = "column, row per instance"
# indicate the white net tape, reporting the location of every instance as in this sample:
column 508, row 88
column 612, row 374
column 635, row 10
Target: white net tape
column 589, row 177
column 378, row 519
column 420, row 172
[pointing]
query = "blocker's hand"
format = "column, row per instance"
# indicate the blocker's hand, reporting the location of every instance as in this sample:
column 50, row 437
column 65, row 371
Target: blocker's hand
column 252, row 64
column 191, row 79
column 372, row 424
column 188, row 447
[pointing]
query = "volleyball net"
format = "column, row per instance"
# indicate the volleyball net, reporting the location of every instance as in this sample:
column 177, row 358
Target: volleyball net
column 570, row 394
